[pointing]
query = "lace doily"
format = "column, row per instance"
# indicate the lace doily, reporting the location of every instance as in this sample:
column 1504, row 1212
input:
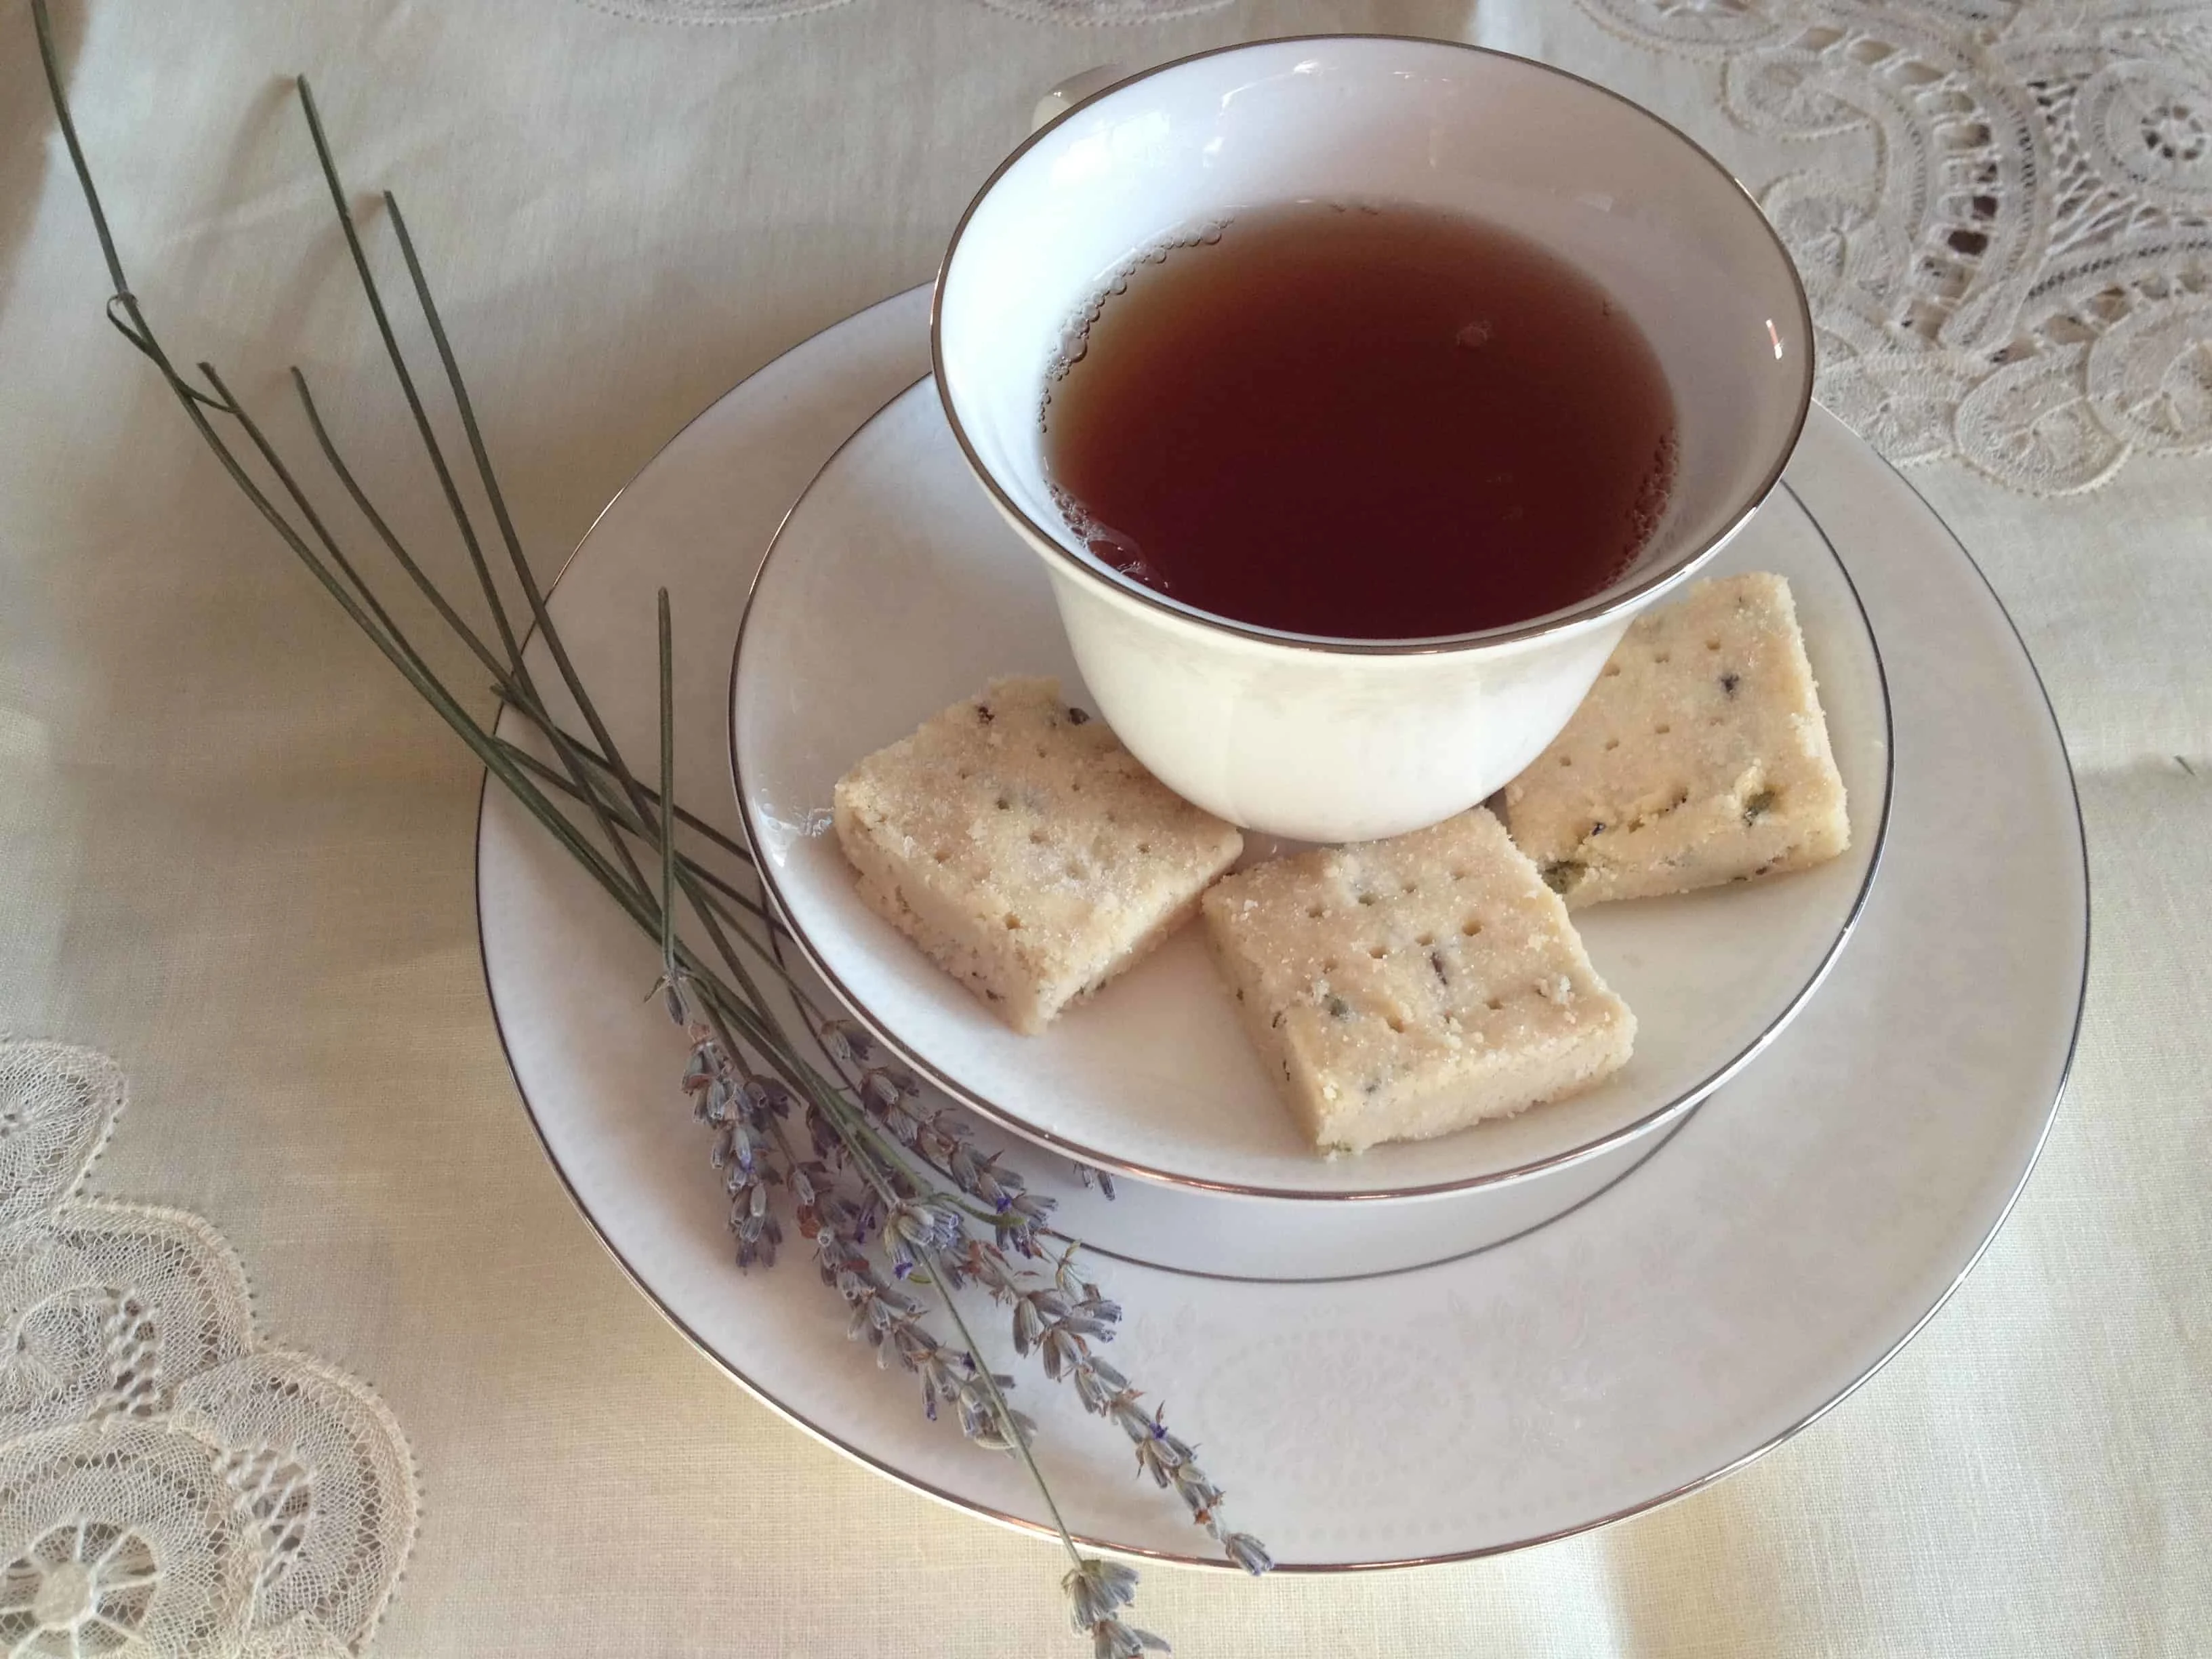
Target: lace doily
column 709, row 11
column 169, row 1484
column 2014, row 266
column 1103, row 11
column 1040, row 11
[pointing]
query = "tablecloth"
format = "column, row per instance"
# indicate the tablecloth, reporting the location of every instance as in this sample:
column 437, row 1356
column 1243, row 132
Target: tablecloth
column 235, row 853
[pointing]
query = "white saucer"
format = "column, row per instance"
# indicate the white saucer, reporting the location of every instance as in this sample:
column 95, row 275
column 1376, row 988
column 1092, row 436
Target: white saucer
column 1794, row 1232
column 895, row 558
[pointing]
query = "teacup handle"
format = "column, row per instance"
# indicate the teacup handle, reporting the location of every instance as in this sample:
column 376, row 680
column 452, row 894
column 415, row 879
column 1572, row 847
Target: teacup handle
column 1073, row 91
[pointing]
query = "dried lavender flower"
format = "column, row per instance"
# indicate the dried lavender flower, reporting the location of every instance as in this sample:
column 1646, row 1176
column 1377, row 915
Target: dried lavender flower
column 1248, row 1552
column 1112, row 1640
column 1098, row 1589
column 1097, row 1178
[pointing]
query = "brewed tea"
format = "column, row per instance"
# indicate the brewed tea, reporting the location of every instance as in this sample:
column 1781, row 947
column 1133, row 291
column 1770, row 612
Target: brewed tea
column 1369, row 422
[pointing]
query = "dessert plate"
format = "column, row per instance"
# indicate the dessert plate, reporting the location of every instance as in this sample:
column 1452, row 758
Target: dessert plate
column 1791, row 1235
column 895, row 557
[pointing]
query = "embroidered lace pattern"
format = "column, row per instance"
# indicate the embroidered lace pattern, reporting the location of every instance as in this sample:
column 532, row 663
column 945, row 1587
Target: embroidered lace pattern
column 170, row 1484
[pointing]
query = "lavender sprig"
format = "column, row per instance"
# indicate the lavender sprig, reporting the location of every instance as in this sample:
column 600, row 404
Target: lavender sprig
column 868, row 1199
column 1058, row 1318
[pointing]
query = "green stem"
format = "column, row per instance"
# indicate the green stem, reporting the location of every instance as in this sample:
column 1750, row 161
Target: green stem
column 689, row 819
column 503, row 683
column 275, row 462
column 518, row 671
column 667, row 791
column 728, row 893
column 430, row 444
column 531, row 592
column 1005, row 1412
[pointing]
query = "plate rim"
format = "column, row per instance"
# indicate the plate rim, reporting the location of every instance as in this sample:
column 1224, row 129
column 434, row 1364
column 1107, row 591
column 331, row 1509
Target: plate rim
column 1669, row 1112
column 1021, row 1525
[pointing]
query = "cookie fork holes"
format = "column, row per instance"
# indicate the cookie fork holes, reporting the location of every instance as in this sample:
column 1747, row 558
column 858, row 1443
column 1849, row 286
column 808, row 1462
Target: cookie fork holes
column 1470, row 927
column 1378, row 951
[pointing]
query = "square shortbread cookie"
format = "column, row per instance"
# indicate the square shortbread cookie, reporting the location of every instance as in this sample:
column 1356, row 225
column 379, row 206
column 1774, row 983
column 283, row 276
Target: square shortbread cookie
column 1404, row 988
column 1699, row 756
column 1025, row 849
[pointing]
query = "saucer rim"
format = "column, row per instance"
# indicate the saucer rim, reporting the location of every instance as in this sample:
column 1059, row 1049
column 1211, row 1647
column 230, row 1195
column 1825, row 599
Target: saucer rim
column 1672, row 1110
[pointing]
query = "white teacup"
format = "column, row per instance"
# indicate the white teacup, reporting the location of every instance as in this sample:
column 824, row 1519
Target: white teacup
column 1341, row 739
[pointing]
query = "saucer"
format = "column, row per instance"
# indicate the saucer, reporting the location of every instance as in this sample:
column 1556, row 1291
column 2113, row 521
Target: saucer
column 1796, row 1230
column 895, row 558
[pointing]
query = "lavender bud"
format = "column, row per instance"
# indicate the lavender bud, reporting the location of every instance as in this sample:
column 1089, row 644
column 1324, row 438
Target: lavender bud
column 1090, row 1389
column 1131, row 1416
column 1152, row 1459
column 1248, row 1552
column 1198, row 1492
column 1112, row 1640
column 1062, row 1352
column 1097, row 1589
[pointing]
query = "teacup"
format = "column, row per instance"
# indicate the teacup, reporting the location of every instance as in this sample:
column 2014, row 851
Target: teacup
column 1330, row 739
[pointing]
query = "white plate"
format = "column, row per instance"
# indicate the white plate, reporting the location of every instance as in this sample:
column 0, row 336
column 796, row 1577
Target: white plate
column 895, row 558
column 1791, row 1235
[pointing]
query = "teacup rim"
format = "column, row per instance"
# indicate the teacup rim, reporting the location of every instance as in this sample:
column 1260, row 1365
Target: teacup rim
column 1609, row 603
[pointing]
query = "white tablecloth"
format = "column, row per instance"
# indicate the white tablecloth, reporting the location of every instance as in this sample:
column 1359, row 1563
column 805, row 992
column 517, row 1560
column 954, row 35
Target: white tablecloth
column 235, row 854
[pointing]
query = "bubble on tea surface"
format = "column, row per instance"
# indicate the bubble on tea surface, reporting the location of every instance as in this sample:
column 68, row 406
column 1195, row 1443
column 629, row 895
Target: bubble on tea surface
column 1648, row 509
column 1075, row 342
column 1112, row 548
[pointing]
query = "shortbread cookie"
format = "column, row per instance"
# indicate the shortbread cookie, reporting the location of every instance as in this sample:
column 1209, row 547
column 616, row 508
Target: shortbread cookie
column 1404, row 988
column 1025, row 849
column 1699, row 756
